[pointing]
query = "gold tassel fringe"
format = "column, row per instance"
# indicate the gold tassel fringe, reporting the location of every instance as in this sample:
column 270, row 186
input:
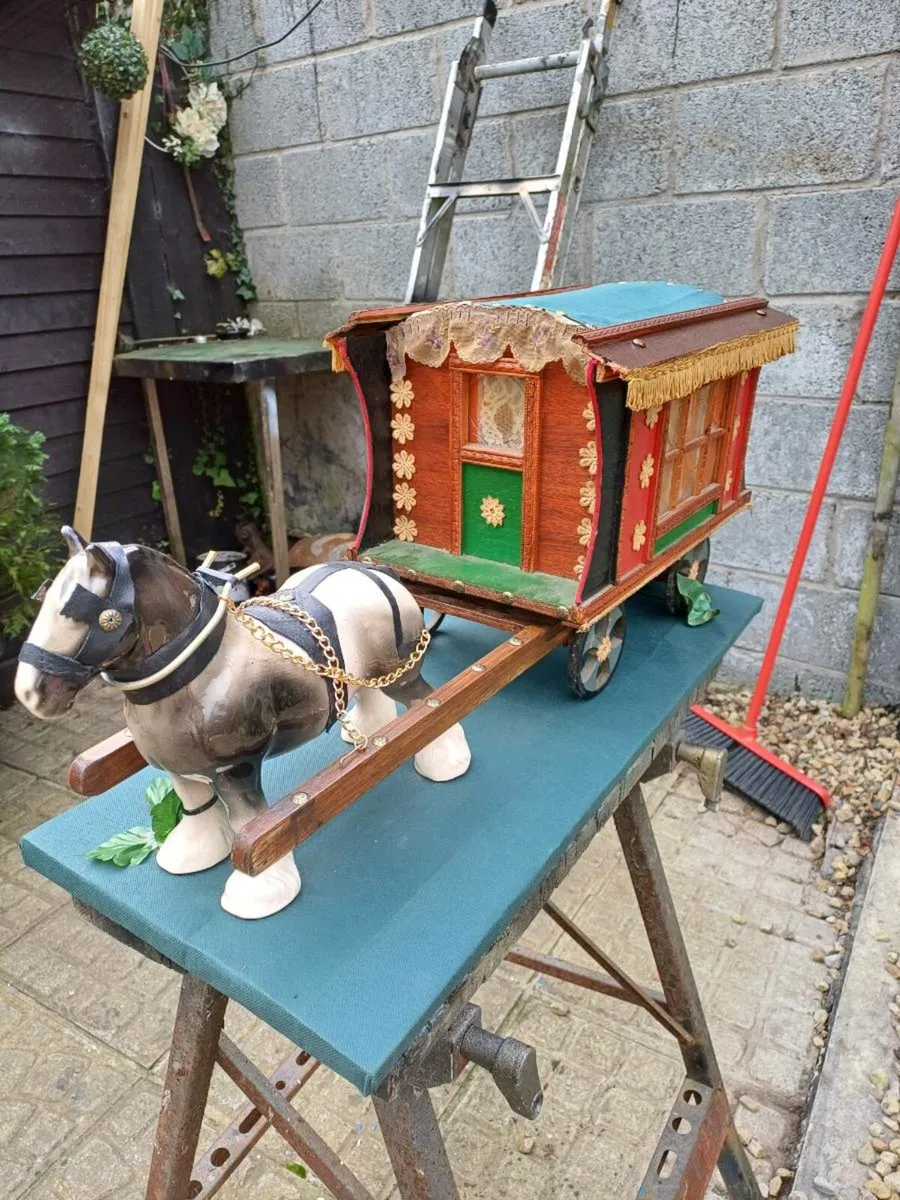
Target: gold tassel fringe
column 648, row 387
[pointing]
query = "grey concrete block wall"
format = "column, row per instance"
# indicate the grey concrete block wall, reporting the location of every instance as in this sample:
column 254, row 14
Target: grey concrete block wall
column 746, row 147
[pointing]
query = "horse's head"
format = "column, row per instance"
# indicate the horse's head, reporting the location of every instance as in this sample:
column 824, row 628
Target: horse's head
column 86, row 621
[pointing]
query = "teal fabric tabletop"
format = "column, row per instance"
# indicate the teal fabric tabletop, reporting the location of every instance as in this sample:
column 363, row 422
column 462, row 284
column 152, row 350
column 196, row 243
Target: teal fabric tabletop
column 615, row 303
column 405, row 891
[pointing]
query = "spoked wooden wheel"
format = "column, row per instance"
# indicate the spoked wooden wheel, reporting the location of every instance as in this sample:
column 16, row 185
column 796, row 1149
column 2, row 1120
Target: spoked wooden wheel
column 594, row 655
column 694, row 564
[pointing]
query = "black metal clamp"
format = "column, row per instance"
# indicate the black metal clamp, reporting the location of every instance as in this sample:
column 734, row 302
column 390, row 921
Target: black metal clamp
column 512, row 1064
column 709, row 764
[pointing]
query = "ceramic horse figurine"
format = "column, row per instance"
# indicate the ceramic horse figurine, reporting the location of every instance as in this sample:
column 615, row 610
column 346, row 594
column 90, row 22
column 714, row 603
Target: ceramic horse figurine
column 205, row 700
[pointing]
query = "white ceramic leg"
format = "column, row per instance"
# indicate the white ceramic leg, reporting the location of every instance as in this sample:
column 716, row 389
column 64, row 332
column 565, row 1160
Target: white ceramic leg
column 255, row 896
column 372, row 710
column 447, row 757
column 200, row 841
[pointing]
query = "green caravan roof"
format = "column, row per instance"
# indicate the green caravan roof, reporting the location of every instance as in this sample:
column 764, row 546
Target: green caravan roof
column 617, row 303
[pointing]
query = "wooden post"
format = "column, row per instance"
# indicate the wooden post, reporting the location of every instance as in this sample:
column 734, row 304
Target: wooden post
column 264, row 399
column 876, row 548
column 146, row 16
column 164, row 472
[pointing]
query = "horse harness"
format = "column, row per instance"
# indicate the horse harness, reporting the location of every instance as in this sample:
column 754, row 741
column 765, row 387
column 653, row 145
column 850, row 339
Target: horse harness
column 294, row 615
column 110, row 621
column 297, row 615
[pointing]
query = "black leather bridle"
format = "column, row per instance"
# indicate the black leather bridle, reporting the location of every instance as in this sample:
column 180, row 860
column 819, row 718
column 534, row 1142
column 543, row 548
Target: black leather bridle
column 110, row 620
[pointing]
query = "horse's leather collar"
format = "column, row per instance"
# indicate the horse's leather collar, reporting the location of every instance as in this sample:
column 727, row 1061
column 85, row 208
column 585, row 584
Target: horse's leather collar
column 189, row 669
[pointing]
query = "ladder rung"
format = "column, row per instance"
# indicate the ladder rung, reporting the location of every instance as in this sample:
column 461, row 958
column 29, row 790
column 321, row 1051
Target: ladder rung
column 528, row 66
column 495, row 187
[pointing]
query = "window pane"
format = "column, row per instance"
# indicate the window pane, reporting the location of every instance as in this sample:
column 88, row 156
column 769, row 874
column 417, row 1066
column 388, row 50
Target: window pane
column 697, row 418
column 673, row 425
column 690, row 485
column 665, row 485
column 500, row 412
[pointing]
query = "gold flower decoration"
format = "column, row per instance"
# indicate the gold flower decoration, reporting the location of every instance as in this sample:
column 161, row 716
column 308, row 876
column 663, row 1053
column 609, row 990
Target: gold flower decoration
column 647, row 468
column 729, row 479
column 405, row 497
column 493, row 511
column 638, row 535
column 402, row 394
column 588, row 497
column 589, row 418
column 584, row 530
column 694, row 569
column 651, row 416
column 587, row 457
column 579, row 566
column 403, row 428
column 404, row 464
column 406, row 529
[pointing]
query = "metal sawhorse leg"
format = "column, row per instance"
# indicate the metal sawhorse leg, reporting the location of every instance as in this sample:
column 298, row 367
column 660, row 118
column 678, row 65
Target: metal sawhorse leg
column 699, row 1132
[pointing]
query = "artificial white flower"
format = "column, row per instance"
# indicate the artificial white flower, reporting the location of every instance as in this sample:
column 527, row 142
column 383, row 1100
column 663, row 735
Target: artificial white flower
column 209, row 103
column 188, row 123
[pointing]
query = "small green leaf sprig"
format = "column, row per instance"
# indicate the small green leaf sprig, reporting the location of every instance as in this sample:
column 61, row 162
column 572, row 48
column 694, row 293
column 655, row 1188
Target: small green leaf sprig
column 699, row 605
column 132, row 846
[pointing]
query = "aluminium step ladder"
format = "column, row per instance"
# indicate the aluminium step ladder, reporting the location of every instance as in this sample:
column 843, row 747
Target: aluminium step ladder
column 562, row 188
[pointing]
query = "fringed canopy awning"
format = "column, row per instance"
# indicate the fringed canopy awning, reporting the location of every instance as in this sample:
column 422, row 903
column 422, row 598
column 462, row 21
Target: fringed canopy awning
column 669, row 340
column 483, row 334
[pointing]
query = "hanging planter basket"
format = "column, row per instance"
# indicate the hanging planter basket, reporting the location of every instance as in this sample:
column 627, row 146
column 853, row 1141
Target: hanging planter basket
column 113, row 60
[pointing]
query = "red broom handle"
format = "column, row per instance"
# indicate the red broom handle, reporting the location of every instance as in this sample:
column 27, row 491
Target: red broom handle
column 854, row 367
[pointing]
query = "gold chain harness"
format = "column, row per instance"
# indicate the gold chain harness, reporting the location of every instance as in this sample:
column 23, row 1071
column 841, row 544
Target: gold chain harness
column 331, row 668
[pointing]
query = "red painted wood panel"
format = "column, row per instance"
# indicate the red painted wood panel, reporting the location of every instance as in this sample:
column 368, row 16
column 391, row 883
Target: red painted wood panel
column 639, row 497
column 431, row 412
column 739, row 435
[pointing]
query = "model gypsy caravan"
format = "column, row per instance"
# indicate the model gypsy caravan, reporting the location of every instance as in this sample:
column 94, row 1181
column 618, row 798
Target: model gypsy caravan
column 548, row 454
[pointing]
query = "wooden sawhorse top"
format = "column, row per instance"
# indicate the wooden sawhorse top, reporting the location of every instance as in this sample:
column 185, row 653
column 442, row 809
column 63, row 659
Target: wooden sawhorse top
column 414, row 895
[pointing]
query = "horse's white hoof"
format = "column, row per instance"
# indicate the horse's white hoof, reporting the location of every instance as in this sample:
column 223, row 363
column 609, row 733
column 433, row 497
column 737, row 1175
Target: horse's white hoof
column 197, row 842
column 255, row 896
column 447, row 757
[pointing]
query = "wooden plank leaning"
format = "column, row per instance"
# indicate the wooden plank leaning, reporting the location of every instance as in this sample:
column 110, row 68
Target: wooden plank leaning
column 145, row 21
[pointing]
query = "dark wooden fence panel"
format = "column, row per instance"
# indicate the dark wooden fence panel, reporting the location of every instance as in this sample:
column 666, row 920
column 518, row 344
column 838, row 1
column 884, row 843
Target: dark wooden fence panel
column 57, row 142
column 54, row 193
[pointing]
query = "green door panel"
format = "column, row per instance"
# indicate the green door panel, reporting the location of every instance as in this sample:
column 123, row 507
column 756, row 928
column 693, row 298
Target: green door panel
column 501, row 543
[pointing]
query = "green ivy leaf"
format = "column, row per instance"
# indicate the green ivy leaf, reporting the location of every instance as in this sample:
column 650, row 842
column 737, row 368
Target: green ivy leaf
column 157, row 790
column 297, row 1169
column 700, row 609
column 165, row 815
column 222, row 478
column 155, row 491
column 126, row 849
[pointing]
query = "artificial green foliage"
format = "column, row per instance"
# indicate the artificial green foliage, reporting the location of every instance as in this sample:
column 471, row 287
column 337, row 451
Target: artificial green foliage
column 30, row 549
column 133, row 846
column 127, row 849
column 211, row 462
column 696, row 597
column 236, row 256
column 113, row 60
